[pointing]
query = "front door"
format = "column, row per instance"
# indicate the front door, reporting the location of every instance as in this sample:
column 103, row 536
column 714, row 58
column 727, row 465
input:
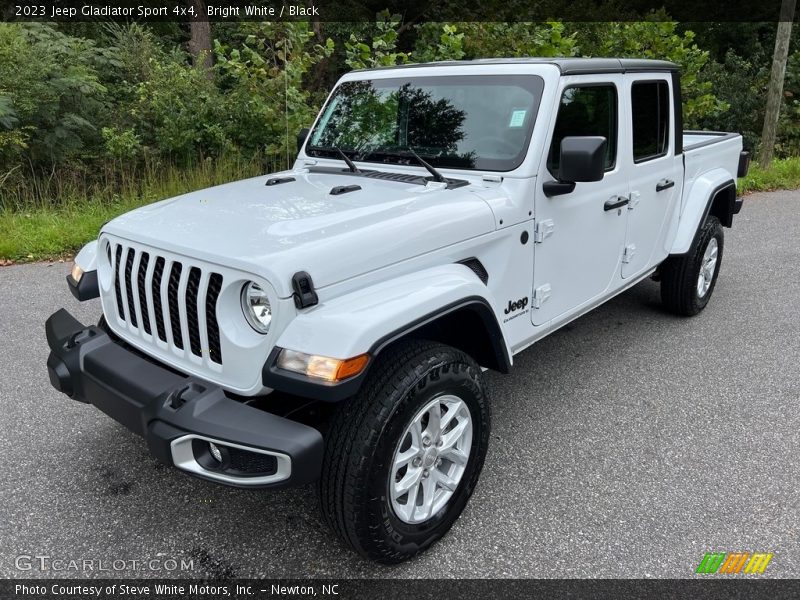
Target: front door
column 579, row 243
column 655, row 172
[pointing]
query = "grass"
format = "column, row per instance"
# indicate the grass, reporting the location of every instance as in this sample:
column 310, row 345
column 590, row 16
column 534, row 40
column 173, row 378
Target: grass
column 35, row 231
column 783, row 174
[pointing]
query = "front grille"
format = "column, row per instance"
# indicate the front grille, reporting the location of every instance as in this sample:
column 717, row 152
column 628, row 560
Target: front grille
column 194, row 312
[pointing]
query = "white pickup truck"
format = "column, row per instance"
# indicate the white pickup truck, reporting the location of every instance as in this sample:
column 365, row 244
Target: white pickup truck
column 332, row 322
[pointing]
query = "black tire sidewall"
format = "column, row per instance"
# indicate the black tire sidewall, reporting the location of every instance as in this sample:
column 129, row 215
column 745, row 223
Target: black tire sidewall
column 711, row 230
column 446, row 377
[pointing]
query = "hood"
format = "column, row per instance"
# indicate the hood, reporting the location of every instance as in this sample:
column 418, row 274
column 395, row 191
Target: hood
column 275, row 231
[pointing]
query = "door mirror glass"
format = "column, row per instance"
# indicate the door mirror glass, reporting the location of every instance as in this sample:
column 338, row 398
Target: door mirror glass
column 301, row 137
column 582, row 158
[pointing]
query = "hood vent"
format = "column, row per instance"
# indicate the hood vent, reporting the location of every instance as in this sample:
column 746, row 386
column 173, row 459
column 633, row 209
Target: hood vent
column 344, row 189
column 279, row 180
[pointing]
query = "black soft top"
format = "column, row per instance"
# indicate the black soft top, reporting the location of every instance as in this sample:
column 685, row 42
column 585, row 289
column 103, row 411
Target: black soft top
column 567, row 66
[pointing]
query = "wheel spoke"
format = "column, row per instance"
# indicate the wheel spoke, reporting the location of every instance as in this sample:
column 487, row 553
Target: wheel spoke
column 455, row 456
column 404, row 458
column 446, row 482
column 434, row 420
column 453, row 408
column 416, row 433
column 450, row 439
column 428, row 487
column 406, row 484
column 411, row 502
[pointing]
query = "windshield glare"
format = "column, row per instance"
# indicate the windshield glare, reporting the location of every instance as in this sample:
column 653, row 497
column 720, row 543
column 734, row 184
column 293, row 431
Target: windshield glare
column 481, row 122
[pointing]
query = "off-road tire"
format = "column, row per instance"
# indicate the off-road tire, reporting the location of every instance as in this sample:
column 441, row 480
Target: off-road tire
column 365, row 432
column 679, row 274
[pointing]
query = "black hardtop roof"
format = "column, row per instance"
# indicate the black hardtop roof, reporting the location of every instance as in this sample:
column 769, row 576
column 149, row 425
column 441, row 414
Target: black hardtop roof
column 567, row 66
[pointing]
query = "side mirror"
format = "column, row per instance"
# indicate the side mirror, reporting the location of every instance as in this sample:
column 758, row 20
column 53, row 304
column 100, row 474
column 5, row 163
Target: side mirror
column 301, row 137
column 582, row 159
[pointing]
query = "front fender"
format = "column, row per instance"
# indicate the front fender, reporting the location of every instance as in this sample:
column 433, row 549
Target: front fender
column 357, row 322
column 366, row 321
column 698, row 203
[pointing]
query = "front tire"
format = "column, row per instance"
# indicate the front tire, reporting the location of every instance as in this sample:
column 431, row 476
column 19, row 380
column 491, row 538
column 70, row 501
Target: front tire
column 688, row 281
column 403, row 456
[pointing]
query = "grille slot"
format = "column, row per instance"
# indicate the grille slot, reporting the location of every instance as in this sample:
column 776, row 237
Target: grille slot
column 158, row 273
column 214, row 288
column 117, row 287
column 129, row 288
column 141, row 287
column 193, row 311
column 174, row 309
column 192, row 289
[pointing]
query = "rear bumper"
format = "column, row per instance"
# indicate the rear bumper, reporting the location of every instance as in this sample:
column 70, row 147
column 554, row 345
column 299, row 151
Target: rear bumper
column 178, row 415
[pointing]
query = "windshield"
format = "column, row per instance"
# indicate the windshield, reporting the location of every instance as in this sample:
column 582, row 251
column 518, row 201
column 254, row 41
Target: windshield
column 481, row 122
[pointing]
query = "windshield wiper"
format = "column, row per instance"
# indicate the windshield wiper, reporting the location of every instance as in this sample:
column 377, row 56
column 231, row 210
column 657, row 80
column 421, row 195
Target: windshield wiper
column 438, row 177
column 350, row 164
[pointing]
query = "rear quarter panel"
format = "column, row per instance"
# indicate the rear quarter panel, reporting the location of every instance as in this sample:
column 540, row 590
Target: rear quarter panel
column 706, row 167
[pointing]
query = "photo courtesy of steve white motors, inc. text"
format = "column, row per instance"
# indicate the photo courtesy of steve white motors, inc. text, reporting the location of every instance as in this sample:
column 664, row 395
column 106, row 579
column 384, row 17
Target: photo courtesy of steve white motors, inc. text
column 167, row 10
column 172, row 590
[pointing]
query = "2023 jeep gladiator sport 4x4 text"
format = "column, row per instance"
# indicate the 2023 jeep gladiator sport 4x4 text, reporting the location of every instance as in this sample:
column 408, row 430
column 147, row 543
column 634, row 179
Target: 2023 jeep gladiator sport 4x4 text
column 331, row 323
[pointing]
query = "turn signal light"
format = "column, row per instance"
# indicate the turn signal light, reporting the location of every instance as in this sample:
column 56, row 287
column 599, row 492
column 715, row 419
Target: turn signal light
column 76, row 273
column 322, row 367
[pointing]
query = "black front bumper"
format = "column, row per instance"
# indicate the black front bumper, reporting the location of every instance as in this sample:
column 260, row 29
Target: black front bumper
column 167, row 408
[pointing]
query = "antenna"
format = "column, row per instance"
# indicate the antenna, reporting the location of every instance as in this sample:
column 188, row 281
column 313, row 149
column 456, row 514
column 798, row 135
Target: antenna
column 286, row 100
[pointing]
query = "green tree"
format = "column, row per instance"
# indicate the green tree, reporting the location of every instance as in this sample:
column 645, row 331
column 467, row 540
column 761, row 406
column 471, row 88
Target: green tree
column 382, row 50
column 657, row 38
column 52, row 94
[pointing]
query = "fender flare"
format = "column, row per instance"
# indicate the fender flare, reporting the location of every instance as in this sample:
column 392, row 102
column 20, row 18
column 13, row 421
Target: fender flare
column 368, row 321
column 698, row 205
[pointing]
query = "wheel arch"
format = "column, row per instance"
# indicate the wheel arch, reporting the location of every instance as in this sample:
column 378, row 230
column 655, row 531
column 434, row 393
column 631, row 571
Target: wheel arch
column 468, row 325
column 713, row 194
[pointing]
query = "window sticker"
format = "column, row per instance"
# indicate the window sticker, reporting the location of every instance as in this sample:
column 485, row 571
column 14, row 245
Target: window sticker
column 518, row 117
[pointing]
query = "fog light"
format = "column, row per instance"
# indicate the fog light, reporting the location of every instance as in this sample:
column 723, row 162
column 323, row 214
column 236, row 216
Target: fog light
column 215, row 451
column 76, row 273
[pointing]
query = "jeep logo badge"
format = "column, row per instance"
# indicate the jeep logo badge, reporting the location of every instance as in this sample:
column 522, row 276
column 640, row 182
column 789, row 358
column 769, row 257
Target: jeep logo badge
column 512, row 306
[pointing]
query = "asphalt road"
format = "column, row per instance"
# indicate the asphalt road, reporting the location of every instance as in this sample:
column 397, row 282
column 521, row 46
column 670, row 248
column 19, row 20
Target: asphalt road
column 627, row 444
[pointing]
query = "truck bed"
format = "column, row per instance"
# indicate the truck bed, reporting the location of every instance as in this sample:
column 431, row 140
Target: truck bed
column 693, row 139
column 705, row 151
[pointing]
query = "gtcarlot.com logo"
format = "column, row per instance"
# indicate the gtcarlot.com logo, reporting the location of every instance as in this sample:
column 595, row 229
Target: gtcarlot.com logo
column 44, row 562
column 734, row 563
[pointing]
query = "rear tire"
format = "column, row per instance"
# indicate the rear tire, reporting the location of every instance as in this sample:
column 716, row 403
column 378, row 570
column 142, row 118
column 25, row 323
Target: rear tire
column 688, row 281
column 387, row 439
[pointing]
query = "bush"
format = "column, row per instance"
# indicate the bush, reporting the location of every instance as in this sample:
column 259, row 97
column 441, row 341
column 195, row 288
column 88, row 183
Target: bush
column 52, row 97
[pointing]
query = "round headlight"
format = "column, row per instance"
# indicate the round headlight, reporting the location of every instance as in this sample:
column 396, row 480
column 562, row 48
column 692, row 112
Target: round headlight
column 256, row 308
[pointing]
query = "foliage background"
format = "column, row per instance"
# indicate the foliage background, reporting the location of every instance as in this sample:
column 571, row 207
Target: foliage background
column 118, row 115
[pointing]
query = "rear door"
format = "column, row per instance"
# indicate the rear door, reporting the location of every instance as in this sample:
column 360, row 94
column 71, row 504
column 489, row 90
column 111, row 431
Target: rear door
column 578, row 243
column 655, row 171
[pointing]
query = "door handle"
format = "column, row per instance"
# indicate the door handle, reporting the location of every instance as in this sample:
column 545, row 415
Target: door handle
column 664, row 184
column 615, row 202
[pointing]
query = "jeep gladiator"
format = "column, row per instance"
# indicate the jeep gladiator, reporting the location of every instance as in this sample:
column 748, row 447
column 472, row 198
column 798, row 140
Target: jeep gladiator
column 332, row 323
